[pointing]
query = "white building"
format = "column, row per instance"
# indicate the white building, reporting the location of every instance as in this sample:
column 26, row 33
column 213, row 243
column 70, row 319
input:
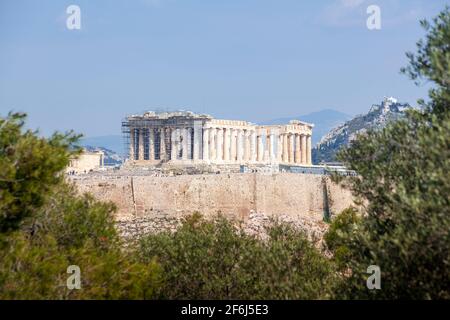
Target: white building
column 86, row 162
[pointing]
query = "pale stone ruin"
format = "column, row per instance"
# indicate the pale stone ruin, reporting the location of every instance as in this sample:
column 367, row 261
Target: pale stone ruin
column 184, row 137
column 86, row 162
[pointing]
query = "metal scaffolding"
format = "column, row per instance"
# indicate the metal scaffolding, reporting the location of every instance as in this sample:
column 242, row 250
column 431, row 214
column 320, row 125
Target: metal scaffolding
column 157, row 133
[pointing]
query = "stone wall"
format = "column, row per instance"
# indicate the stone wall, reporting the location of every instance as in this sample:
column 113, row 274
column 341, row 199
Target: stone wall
column 147, row 203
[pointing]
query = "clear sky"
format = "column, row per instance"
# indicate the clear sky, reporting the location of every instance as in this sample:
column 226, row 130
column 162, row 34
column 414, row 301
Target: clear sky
column 239, row 59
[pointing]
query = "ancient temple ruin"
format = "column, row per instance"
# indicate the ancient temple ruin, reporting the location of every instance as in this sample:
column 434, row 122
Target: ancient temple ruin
column 184, row 137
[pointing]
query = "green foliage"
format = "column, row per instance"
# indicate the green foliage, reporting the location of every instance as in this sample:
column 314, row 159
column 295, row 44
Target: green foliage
column 30, row 270
column 432, row 61
column 83, row 219
column 404, row 186
column 45, row 226
column 342, row 228
column 29, row 169
column 215, row 260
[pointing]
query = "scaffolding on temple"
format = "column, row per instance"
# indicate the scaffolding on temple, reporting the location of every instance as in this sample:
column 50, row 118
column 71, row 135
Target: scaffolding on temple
column 152, row 134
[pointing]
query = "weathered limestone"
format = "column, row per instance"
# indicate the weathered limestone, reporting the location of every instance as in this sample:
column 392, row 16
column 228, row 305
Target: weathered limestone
column 232, row 194
column 188, row 138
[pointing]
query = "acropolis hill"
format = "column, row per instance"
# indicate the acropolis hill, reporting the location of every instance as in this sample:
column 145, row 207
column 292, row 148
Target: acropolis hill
column 181, row 162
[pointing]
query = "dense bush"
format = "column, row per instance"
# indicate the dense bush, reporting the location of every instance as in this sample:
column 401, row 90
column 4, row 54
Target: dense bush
column 214, row 260
column 342, row 228
column 404, row 183
column 45, row 226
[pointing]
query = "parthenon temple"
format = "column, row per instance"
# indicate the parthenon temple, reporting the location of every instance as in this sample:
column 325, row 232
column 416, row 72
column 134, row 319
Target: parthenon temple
column 183, row 137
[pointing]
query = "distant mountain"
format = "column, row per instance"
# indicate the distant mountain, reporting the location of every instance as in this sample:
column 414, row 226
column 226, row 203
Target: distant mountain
column 111, row 158
column 377, row 117
column 113, row 143
column 323, row 121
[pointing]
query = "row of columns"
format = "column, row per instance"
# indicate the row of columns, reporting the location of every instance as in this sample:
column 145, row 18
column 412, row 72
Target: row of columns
column 296, row 148
column 171, row 144
column 229, row 145
column 237, row 145
column 220, row 145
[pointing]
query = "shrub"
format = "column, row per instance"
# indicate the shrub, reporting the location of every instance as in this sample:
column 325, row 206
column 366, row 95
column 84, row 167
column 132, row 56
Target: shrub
column 215, row 260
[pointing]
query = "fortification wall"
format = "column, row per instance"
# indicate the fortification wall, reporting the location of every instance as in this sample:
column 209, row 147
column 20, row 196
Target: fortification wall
column 234, row 195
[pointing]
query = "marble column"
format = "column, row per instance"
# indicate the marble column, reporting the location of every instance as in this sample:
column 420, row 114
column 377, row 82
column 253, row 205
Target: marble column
column 253, row 146
column 246, row 145
column 132, row 144
column 206, row 144
column 239, row 149
column 197, row 142
column 212, row 144
column 226, row 144
column 260, row 147
column 173, row 145
column 291, row 148
column 279, row 148
column 272, row 145
column 267, row 145
column 298, row 159
column 141, row 144
column 219, row 146
column 151, row 144
column 162, row 144
column 184, row 144
column 308, row 150
column 285, row 148
column 190, row 144
column 233, row 145
column 303, row 148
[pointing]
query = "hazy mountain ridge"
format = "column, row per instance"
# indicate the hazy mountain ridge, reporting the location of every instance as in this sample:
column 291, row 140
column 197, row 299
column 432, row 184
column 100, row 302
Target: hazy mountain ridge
column 377, row 117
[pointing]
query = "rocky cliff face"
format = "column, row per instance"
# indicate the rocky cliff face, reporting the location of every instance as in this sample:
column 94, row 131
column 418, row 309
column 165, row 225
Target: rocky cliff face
column 377, row 117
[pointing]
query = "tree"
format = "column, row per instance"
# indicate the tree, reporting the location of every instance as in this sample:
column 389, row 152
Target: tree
column 404, row 186
column 46, row 226
column 30, row 169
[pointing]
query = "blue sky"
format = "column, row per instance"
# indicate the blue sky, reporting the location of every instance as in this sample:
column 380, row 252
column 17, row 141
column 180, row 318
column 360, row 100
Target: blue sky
column 239, row 59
